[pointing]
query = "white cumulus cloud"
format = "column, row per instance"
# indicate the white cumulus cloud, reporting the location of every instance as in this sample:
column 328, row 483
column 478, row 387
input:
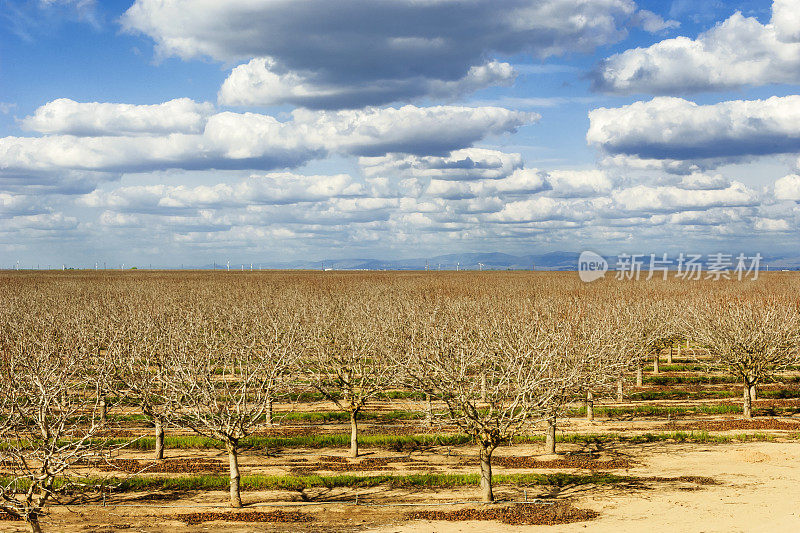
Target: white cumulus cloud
column 786, row 19
column 579, row 183
column 269, row 189
column 65, row 116
column 741, row 51
column 255, row 141
column 771, row 224
column 465, row 164
column 667, row 128
column 788, row 188
column 648, row 199
column 260, row 83
column 319, row 53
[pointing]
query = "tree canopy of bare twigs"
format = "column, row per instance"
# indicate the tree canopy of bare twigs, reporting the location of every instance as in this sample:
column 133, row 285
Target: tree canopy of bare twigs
column 532, row 356
column 347, row 357
column 51, row 380
column 224, row 370
column 751, row 336
column 649, row 325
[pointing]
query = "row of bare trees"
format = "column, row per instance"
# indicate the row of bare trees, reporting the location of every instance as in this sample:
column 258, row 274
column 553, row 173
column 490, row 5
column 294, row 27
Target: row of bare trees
column 51, row 406
column 212, row 354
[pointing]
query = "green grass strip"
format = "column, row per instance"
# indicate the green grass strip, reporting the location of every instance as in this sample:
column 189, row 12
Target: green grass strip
column 304, row 441
column 262, row 482
column 296, row 483
column 410, row 442
column 657, row 410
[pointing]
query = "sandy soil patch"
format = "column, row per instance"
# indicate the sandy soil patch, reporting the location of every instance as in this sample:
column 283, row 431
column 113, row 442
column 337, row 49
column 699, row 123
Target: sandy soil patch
column 758, row 486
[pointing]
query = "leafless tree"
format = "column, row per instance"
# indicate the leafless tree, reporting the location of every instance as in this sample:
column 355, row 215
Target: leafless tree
column 347, row 356
column 136, row 353
column 584, row 342
column 750, row 335
column 223, row 372
column 50, row 378
column 517, row 352
column 649, row 326
column 597, row 343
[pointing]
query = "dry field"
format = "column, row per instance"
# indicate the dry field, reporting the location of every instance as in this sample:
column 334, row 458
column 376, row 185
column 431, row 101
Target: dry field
column 508, row 401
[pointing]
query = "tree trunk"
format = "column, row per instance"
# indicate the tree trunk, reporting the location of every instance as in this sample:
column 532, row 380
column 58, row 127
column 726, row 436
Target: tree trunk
column 486, row 474
column 669, row 355
column 589, row 406
column 159, row 452
column 33, row 522
column 346, row 387
column 233, row 457
column 550, row 439
column 483, row 386
column 428, row 410
column 639, row 374
column 269, row 412
column 754, row 392
column 620, row 385
column 679, row 350
column 353, row 434
column 103, row 411
column 748, row 405
column 656, row 361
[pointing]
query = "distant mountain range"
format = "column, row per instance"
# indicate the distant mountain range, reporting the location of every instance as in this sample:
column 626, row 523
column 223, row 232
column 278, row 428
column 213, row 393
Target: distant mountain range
column 467, row 261
column 478, row 261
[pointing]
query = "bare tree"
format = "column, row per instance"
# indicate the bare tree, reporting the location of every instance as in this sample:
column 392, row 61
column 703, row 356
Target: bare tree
column 223, row 373
column 50, row 378
column 649, row 327
column 750, row 335
column 514, row 349
column 347, row 357
column 598, row 340
column 137, row 355
column 584, row 340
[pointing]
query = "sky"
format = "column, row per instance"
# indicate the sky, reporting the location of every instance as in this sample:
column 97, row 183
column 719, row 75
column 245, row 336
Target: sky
column 186, row 132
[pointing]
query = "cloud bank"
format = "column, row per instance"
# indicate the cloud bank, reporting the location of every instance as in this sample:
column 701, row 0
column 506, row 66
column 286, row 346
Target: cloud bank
column 126, row 138
column 736, row 53
column 351, row 53
column 667, row 128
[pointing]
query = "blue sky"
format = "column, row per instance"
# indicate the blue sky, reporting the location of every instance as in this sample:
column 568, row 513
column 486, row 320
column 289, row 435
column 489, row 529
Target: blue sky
column 184, row 132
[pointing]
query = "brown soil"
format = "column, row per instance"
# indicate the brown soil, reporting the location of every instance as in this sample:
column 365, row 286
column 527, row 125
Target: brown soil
column 728, row 425
column 567, row 462
column 699, row 480
column 341, row 464
column 677, row 487
column 245, row 516
column 8, row 517
column 521, row 514
column 166, row 466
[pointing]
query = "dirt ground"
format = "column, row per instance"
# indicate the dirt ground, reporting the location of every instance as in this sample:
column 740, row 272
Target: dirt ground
column 758, row 489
